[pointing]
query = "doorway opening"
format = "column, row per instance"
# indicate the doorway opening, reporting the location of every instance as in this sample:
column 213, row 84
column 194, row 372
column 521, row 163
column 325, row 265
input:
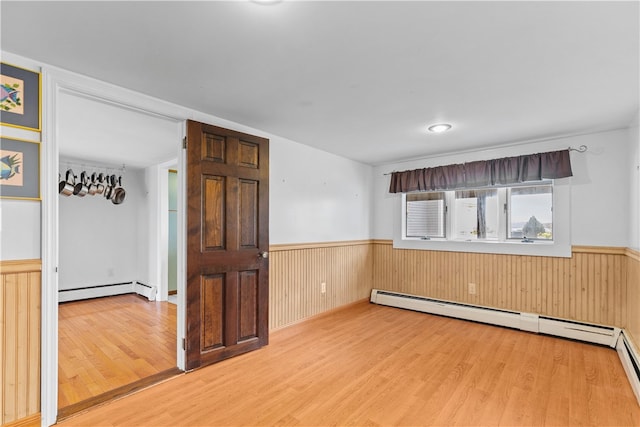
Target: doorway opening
column 116, row 330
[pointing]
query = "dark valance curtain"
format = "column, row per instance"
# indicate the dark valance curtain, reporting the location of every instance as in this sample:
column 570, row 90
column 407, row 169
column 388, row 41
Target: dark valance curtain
column 484, row 173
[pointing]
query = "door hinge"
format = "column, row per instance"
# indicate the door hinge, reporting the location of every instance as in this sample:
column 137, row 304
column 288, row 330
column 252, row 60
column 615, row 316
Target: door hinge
column 184, row 343
column 184, row 143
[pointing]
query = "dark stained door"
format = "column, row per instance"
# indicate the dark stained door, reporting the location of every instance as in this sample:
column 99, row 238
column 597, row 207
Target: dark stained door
column 227, row 243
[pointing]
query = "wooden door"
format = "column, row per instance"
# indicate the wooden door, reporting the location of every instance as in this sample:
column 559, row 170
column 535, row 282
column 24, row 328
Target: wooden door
column 227, row 243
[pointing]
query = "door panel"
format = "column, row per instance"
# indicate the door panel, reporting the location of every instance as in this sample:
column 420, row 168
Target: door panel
column 227, row 221
column 248, row 315
column 212, row 311
column 249, row 155
column 213, row 208
column 248, row 214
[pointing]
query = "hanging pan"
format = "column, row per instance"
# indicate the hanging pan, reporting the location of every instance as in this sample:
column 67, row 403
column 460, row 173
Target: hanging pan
column 92, row 185
column 81, row 189
column 119, row 193
column 100, row 185
column 66, row 187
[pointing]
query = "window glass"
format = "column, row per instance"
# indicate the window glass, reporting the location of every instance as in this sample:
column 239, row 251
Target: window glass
column 476, row 214
column 425, row 215
column 530, row 212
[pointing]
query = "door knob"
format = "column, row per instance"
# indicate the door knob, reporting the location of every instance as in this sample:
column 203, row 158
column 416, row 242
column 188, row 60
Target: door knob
column 263, row 255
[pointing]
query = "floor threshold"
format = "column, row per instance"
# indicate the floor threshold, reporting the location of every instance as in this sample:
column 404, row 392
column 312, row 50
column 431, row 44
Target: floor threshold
column 117, row 393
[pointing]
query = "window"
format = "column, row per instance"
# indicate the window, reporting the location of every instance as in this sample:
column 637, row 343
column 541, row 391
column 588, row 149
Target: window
column 425, row 215
column 522, row 214
column 475, row 214
column 530, row 212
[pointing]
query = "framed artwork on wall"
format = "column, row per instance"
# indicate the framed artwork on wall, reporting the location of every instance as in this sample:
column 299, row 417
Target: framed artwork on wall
column 20, row 97
column 20, row 169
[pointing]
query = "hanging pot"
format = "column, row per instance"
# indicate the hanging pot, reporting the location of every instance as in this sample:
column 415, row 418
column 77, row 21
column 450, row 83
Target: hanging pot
column 66, row 187
column 118, row 193
column 108, row 192
column 118, row 196
column 81, row 189
column 100, row 185
column 93, row 187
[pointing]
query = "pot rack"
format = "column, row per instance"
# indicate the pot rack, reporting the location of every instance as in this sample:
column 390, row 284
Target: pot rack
column 88, row 185
column 84, row 166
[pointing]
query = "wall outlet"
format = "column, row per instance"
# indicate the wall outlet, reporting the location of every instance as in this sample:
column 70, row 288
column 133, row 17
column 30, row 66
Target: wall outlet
column 472, row 288
column 323, row 288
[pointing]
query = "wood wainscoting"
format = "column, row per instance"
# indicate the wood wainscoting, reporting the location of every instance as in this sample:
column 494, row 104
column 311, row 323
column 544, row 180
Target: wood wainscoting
column 20, row 286
column 298, row 271
column 591, row 286
column 632, row 324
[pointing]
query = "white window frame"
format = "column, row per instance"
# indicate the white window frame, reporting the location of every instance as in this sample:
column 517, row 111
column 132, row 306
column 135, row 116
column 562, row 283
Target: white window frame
column 560, row 246
column 444, row 218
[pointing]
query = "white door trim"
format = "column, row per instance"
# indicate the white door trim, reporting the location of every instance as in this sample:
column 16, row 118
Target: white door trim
column 54, row 82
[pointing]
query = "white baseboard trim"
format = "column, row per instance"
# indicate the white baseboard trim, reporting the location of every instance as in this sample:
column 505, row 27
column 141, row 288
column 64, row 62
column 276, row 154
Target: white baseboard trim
column 531, row 322
column 148, row 291
column 630, row 360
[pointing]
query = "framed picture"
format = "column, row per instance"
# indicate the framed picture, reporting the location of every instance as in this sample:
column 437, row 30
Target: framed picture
column 20, row 94
column 20, row 169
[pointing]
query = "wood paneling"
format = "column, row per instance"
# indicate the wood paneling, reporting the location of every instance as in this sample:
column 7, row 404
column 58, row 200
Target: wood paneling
column 369, row 365
column 297, row 272
column 590, row 286
column 632, row 325
column 20, row 283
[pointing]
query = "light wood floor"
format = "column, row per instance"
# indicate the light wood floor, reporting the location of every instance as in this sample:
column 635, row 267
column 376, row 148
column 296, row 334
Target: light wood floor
column 370, row 365
column 107, row 343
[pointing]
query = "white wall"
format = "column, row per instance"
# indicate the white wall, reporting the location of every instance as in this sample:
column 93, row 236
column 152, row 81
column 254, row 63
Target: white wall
column 19, row 229
column 101, row 243
column 315, row 196
column 599, row 187
column 154, row 227
column 20, row 234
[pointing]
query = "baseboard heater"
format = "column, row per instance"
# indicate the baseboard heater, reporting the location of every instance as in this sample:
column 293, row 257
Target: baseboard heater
column 98, row 291
column 630, row 362
column 530, row 322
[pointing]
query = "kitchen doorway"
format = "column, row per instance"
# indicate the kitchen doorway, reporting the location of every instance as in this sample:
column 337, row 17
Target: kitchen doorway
column 116, row 330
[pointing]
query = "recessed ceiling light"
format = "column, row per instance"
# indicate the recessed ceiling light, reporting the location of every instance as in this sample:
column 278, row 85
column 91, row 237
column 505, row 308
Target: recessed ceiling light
column 439, row 128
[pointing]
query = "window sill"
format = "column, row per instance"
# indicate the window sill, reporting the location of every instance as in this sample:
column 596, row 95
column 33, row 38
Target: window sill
column 536, row 248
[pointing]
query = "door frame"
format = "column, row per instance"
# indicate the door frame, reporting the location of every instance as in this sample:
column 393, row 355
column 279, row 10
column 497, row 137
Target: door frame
column 54, row 82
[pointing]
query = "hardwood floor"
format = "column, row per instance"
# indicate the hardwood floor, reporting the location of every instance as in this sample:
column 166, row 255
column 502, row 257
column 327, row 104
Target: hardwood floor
column 109, row 343
column 371, row 365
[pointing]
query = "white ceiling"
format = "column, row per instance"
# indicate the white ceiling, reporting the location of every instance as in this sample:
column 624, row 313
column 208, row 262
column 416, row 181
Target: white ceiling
column 95, row 132
column 359, row 79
